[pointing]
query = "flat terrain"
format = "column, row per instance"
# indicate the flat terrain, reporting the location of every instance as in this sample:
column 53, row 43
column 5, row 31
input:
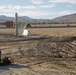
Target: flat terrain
column 45, row 51
column 43, row 31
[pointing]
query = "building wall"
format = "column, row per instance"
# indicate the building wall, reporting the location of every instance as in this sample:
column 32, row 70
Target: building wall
column 9, row 24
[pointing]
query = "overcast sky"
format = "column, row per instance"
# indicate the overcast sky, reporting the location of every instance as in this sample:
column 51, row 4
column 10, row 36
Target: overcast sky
column 46, row 9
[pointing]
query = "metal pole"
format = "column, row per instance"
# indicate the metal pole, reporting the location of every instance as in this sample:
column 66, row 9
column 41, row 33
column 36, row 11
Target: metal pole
column 16, row 19
column 0, row 55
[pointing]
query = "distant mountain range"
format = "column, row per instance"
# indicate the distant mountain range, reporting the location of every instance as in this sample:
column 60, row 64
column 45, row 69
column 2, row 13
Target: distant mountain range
column 66, row 18
column 6, row 18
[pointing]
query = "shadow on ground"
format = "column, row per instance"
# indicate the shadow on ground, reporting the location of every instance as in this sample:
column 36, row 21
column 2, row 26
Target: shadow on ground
column 8, row 67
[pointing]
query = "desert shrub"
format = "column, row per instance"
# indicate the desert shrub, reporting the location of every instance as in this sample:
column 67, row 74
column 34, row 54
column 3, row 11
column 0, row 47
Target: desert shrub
column 68, row 25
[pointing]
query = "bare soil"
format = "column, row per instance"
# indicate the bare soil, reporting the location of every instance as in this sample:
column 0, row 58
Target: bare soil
column 39, row 55
column 45, row 51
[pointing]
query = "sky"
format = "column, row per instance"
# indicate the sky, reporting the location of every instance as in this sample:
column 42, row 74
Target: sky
column 38, row 9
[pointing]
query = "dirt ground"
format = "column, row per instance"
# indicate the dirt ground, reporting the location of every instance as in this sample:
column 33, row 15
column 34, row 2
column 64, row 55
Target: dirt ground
column 39, row 54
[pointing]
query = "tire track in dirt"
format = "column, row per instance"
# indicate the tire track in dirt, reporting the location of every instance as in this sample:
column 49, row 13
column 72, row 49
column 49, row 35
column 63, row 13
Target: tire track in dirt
column 48, row 48
column 45, row 56
column 43, row 48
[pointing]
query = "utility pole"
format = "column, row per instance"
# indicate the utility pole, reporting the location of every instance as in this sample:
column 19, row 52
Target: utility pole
column 0, row 55
column 16, row 21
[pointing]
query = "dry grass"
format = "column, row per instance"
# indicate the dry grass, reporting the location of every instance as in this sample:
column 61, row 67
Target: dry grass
column 44, row 31
column 7, row 31
column 53, row 31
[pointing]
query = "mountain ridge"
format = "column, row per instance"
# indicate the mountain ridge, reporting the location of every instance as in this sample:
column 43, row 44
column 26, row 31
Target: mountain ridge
column 5, row 18
column 65, row 18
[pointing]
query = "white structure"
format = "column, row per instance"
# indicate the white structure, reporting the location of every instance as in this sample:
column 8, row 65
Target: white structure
column 25, row 32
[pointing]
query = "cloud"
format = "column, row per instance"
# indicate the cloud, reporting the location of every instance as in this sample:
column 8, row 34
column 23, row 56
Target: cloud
column 63, row 1
column 8, row 14
column 2, row 7
column 9, row 10
column 35, row 13
column 65, row 12
column 48, row 6
column 37, row 1
column 31, row 11
column 23, row 7
column 68, row 5
column 15, row 7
